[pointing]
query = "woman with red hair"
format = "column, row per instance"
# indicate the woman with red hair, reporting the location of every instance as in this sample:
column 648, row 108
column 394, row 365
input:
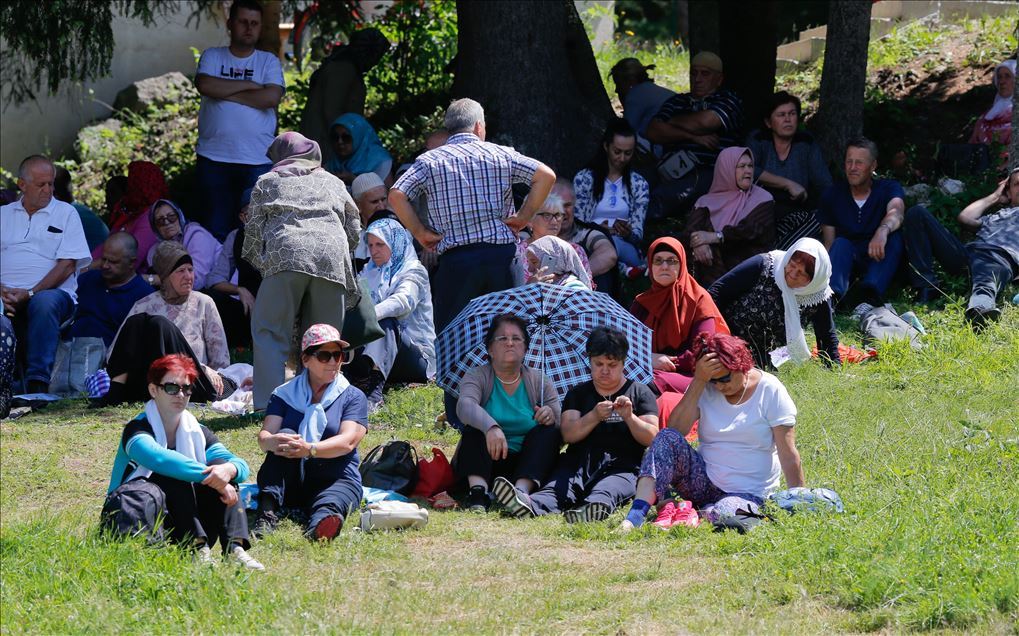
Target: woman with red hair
column 166, row 446
column 145, row 186
column 746, row 421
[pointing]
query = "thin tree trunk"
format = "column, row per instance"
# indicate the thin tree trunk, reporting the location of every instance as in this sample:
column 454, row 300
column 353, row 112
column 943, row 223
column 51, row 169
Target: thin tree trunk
column 269, row 38
column 844, row 78
column 531, row 67
column 1013, row 147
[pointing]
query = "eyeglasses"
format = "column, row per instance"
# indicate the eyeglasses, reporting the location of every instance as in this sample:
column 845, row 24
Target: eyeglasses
column 515, row 340
column 665, row 262
column 345, row 137
column 172, row 388
column 551, row 216
column 325, row 356
column 166, row 220
column 722, row 380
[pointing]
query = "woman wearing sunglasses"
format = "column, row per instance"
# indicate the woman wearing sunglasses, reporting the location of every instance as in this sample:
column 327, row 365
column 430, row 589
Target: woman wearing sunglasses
column 312, row 427
column 747, row 441
column 166, row 446
column 510, row 414
column 357, row 150
column 169, row 224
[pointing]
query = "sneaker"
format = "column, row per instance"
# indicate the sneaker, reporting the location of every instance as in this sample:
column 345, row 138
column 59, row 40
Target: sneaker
column 328, row 528
column 625, row 527
column 589, row 512
column 265, row 524
column 665, row 514
column 478, row 500
column 240, row 556
column 514, row 502
column 685, row 515
column 203, row 556
column 979, row 315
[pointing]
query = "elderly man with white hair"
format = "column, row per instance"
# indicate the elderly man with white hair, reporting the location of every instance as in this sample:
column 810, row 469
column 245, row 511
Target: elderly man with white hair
column 371, row 196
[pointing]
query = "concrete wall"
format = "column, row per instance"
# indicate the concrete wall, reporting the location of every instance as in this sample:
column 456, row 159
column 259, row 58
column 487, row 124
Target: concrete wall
column 50, row 124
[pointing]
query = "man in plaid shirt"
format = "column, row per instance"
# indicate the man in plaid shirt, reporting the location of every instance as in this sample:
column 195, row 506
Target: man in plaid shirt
column 468, row 183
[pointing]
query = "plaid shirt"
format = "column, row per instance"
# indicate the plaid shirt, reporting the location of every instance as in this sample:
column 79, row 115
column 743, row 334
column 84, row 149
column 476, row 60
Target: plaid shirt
column 469, row 186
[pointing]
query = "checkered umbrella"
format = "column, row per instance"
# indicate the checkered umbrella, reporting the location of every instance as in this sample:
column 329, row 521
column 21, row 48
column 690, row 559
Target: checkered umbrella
column 559, row 320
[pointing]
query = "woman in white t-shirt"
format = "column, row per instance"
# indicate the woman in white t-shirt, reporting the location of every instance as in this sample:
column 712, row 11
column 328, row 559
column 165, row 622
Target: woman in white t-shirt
column 612, row 195
column 747, row 439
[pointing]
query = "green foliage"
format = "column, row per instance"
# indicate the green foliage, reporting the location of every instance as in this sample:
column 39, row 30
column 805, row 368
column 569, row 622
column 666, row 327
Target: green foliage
column 994, row 39
column 671, row 60
column 903, row 45
column 292, row 105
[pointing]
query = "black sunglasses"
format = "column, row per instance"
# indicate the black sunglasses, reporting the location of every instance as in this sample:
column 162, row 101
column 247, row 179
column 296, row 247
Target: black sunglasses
column 722, row 380
column 325, row 356
column 172, row 388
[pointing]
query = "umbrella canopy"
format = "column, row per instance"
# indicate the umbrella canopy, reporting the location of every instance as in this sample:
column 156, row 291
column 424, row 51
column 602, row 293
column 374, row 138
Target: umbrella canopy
column 559, row 320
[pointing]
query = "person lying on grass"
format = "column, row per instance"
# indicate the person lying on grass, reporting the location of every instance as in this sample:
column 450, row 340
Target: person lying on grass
column 608, row 421
column 746, row 433
column 166, row 446
column 313, row 471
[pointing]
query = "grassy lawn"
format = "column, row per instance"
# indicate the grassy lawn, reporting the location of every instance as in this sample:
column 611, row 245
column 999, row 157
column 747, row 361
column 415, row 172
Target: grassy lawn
column 923, row 447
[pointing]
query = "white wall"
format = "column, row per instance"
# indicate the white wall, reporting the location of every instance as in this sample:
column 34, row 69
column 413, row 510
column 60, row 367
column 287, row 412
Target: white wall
column 50, row 124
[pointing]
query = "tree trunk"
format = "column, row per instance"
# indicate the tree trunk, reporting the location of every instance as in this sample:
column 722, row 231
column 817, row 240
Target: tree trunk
column 844, row 78
column 748, row 49
column 704, row 31
column 531, row 67
column 269, row 38
column 1013, row 147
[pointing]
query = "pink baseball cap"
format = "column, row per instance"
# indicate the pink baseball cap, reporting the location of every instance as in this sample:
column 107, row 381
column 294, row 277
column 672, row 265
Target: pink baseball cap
column 320, row 334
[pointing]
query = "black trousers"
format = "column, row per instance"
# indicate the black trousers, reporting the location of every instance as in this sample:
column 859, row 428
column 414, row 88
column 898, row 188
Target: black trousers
column 236, row 323
column 579, row 480
column 143, row 339
column 325, row 488
column 533, row 461
column 194, row 512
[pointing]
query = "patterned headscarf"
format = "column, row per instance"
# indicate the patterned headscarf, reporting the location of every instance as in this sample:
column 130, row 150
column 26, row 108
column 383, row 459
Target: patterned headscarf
column 145, row 185
column 294, row 155
column 368, row 150
column 560, row 258
column 382, row 278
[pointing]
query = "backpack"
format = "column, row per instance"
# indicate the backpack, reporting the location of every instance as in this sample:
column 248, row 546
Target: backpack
column 390, row 466
column 135, row 508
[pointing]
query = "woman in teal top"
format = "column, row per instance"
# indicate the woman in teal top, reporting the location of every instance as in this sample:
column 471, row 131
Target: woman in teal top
column 510, row 434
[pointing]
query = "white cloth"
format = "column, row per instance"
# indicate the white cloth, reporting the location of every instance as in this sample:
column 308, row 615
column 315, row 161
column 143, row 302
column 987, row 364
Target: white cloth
column 232, row 132
column 1001, row 104
column 813, row 293
column 613, row 205
column 737, row 443
column 31, row 245
column 297, row 394
column 190, row 440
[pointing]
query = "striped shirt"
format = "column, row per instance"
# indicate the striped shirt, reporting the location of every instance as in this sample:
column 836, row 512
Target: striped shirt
column 724, row 103
column 469, row 184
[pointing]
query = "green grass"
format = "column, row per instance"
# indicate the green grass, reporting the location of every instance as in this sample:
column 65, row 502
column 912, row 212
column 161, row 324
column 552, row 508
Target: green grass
column 922, row 446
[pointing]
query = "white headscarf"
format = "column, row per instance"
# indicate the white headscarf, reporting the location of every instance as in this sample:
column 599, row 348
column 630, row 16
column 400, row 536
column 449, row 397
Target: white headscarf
column 813, row 293
column 382, row 278
column 190, row 439
column 1001, row 104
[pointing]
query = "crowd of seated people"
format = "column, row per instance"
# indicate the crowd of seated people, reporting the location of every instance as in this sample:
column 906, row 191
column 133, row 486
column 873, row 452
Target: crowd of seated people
column 766, row 243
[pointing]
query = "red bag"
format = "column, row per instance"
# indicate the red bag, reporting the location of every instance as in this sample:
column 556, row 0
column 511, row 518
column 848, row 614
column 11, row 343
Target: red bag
column 434, row 475
column 667, row 402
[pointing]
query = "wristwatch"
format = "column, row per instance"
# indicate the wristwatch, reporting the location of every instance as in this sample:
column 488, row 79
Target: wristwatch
column 720, row 237
column 312, row 450
column 31, row 293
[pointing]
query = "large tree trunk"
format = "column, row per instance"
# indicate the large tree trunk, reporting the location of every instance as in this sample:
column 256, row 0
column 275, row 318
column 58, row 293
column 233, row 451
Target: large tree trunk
column 704, row 29
column 531, row 67
column 748, row 49
column 844, row 78
column 269, row 37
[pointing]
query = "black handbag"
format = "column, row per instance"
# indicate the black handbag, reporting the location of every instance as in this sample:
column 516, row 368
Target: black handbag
column 360, row 324
column 391, row 466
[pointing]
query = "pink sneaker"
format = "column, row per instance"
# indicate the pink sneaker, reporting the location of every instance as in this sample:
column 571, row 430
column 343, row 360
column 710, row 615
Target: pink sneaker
column 685, row 514
column 665, row 514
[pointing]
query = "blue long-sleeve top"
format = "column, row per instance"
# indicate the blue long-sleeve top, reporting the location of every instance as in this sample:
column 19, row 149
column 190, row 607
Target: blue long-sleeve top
column 138, row 447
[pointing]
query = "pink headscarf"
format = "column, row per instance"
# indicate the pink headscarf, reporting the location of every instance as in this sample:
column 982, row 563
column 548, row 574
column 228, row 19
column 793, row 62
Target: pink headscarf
column 726, row 203
column 294, row 155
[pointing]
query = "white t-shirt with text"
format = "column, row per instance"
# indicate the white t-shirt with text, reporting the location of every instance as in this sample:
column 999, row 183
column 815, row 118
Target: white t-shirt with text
column 232, row 132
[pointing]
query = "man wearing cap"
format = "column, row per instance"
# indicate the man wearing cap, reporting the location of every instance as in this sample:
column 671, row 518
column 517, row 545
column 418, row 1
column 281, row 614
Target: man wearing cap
column 42, row 246
column 693, row 127
column 640, row 96
column 371, row 196
column 233, row 283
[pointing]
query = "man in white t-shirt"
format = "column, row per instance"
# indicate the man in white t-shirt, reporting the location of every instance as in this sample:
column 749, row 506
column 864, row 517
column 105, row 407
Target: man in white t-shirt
column 42, row 246
column 241, row 88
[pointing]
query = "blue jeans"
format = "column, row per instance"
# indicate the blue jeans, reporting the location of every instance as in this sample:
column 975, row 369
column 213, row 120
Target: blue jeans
column 38, row 329
column 220, row 186
column 627, row 252
column 848, row 256
column 926, row 241
column 991, row 267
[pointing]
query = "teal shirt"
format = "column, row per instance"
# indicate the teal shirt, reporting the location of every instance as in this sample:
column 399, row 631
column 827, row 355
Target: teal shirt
column 514, row 414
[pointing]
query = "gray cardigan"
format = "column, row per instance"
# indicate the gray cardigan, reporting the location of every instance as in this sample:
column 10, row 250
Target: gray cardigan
column 478, row 384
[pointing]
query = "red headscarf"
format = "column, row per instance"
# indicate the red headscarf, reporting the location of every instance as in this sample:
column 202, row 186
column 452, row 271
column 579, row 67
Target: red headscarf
column 675, row 309
column 145, row 186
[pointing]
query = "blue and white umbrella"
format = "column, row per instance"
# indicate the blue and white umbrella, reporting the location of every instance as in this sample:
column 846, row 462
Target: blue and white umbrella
column 559, row 320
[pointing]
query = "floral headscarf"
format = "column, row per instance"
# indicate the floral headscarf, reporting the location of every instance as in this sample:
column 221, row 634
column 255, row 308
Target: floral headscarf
column 381, row 278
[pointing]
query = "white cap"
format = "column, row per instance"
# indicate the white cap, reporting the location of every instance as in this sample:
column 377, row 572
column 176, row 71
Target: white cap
column 365, row 182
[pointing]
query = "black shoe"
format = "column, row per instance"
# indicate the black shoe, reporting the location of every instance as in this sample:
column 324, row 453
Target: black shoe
column 515, row 502
column 478, row 500
column 265, row 524
column 980, row 318
column 587, row 513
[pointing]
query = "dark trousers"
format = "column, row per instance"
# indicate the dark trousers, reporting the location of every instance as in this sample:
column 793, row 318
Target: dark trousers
column 220, row 186
column 572, row 485
column 928, row 241
column 397, row 357
column 236, row 323
column 534, row 460
column 321, row 490
column 848, row 257
column 991, row 268
column 674, row 199
column 195, row 512
column 142, row 340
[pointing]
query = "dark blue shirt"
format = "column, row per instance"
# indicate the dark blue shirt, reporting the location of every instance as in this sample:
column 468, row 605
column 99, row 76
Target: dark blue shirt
column 724, row 103
column 351, row 405
column 102, row 309
column 839, row 209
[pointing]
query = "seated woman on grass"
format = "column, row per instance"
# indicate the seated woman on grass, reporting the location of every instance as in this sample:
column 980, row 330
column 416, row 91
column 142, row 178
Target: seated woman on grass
column 552, row 260
column 608, row 421
column 166, row 446
column 511, row 418
column 746, row 440
column 312, row 427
